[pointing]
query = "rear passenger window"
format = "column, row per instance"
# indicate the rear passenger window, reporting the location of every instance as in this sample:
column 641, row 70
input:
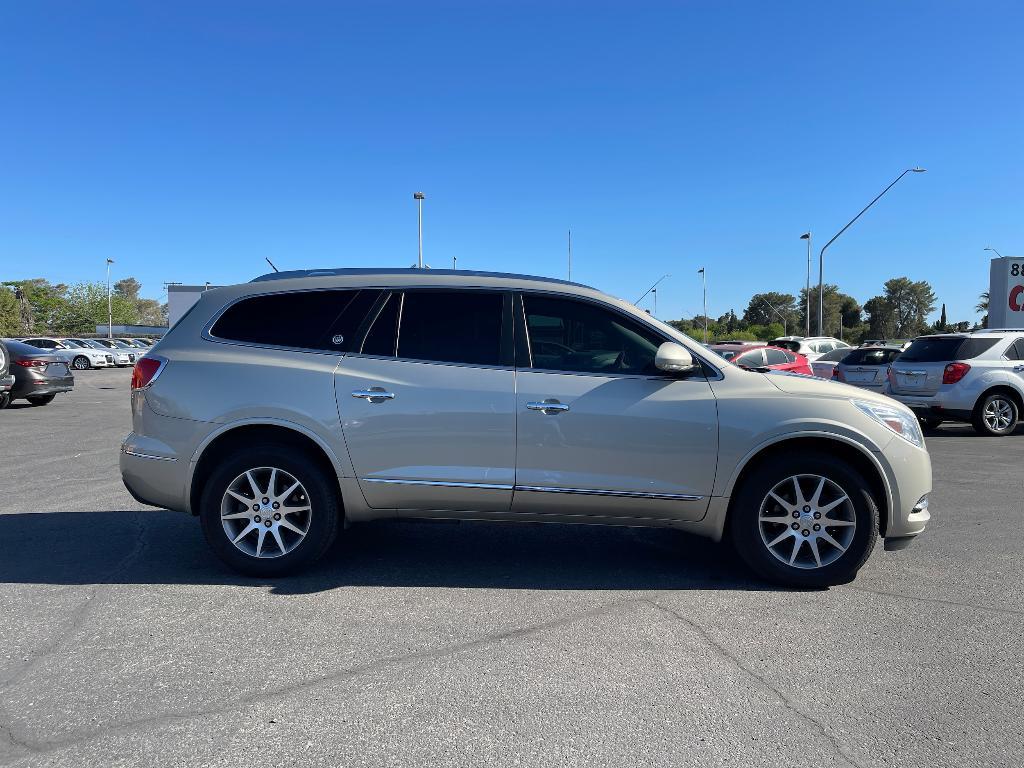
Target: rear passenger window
column 383, row 334
column 451, row 327
column 1016, row 350
column 325, row 320
column 775, row 357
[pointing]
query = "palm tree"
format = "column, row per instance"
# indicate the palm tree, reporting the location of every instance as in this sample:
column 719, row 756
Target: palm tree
column 982, row 305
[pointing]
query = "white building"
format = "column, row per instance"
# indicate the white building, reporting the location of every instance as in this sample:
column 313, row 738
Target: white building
column 180, row 299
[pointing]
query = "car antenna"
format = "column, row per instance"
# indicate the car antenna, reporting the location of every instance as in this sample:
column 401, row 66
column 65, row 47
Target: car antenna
column 271, row 264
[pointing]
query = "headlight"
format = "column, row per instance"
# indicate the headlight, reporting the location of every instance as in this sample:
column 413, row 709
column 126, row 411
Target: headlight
column 900, row 420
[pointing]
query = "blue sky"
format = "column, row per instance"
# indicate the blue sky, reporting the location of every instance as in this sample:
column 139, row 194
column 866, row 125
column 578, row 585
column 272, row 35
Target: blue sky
column 190, row 140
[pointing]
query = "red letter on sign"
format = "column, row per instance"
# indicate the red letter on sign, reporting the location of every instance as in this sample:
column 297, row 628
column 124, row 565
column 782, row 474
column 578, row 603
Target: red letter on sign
column 1015, row 297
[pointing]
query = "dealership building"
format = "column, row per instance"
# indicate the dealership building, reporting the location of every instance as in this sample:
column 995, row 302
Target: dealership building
column 1006, row 293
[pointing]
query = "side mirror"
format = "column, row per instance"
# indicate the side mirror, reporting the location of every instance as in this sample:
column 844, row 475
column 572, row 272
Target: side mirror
column 674, row 358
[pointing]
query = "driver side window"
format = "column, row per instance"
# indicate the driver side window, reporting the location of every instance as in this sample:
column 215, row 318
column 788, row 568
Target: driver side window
column 568, row 335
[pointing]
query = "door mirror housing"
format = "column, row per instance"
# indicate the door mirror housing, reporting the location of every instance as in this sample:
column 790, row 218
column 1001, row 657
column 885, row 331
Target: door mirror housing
column 674, row 358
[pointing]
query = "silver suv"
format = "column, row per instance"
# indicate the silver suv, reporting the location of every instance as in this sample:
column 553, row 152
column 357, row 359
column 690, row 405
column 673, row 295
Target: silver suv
column 284, row 409
column 976, row 377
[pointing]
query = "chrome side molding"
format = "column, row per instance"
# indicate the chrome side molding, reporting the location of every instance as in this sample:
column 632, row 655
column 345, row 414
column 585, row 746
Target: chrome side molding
column 536, row 489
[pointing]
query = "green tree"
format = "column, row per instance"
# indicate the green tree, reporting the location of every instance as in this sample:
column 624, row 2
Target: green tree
column 85, row 307
column 941, row 325
column 911, row 304
column 760, row 309
column 10, row 316
column 881, row 318
column 45, row 302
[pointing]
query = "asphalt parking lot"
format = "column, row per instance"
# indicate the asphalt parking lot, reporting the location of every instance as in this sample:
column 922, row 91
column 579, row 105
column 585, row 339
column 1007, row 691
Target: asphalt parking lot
column 124, row 642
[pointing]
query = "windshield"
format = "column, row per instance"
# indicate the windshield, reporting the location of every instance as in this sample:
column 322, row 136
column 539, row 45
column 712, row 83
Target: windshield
column 73, row 343
column 94, row 344
column 835, row 356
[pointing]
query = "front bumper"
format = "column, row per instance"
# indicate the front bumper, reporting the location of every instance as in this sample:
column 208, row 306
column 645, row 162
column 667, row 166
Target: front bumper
column 908, row 471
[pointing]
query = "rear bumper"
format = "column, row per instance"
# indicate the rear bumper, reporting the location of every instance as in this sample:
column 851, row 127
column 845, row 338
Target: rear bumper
column 935, row 406
column 6, row 383
column 31, row 388
column 152, row 473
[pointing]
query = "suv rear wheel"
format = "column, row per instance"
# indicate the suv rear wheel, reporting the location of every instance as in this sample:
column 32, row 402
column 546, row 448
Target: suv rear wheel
column 269, row 510
column 996, row 415
column 804, row 520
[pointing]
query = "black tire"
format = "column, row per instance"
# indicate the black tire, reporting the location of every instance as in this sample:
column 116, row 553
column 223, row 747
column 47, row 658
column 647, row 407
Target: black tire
column 324, row 514
column 39, row 400
column 930, row 422
column 5, row 400
column 745, row 530
column 985, row 423
column 81, row 363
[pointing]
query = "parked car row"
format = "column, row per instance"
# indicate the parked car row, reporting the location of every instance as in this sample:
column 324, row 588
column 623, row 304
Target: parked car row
column 975, row 377
column 82, row 354
column 37, row 369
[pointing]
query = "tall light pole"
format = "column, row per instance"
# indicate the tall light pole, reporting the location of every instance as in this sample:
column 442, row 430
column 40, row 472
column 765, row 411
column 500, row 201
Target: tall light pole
column 807, row 293
column 419, row 197
column 821, row 256
column 110, row 306
column 704, row 280
column 570, row 256
column 654, row 293
column 997, row 253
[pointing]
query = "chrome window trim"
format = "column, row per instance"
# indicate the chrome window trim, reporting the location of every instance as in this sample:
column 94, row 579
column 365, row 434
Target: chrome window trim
column 536, row 489
column 392, row 358
column 640, row 321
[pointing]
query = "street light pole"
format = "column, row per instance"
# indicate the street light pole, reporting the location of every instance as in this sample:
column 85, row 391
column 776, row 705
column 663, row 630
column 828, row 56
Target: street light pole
column 997, row 253
column 704, row 280
column 821, row 256
column 419, row 197
column 570, row 256
column 807, row 291
column 654, row 292
column 110, row 306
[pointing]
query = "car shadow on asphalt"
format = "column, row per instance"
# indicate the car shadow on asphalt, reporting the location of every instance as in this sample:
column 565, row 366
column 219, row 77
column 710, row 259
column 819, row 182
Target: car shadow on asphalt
column 161, row 547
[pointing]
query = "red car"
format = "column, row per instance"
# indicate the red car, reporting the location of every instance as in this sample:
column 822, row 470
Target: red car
column 763, row 356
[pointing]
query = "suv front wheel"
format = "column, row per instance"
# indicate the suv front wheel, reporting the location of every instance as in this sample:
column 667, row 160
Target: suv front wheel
column 996, row 415
column 269, row 510
column 804, row 520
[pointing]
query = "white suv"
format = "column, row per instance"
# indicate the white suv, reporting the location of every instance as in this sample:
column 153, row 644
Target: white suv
column 811, row 347
column 976, row 377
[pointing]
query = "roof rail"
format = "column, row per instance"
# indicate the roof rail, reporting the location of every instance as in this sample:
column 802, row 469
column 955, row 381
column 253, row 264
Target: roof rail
column 349, row 271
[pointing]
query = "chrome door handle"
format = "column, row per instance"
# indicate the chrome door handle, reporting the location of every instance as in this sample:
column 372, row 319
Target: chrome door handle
column 1018, row 367
column 374, row 394
column 549, row 407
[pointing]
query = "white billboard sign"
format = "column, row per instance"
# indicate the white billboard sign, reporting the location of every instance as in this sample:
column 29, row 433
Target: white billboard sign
column 1006, row 293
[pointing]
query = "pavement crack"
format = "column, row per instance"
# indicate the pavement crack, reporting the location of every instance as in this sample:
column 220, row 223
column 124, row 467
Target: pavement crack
column 79, row 615
column 739, row 664
column 939, row 601
column 349, row 673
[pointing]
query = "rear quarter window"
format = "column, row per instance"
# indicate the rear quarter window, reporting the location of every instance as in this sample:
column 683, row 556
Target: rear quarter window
column 326, row 320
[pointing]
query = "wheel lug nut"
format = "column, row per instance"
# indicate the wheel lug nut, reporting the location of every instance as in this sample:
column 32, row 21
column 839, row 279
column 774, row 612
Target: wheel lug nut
column 255, row 507
column 817, row 515
column 277, row 515
column 796, row 514
column 268, row 522
column 258, row 518
column 796, row 526
column 805, row 532
column 276, row 505
column 266, row 500
column 817, row 527
column 807, row 509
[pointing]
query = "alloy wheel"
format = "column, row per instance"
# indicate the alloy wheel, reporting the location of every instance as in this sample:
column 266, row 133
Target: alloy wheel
column 265, row 512
column 80, row 363
column 998, row 414
column 807, row 521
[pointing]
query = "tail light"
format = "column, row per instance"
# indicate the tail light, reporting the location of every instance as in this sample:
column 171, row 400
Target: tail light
column 953, row 372
column 31, row 363
column 837, row 374
column 146, row 370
